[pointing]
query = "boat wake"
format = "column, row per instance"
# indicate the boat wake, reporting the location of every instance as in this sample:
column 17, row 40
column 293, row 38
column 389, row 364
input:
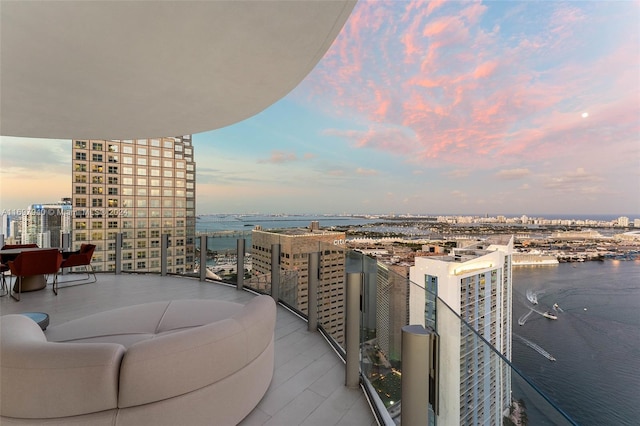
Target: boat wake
column 547, row 314
column 523, row 319
column 535, row 347
column 532, row 297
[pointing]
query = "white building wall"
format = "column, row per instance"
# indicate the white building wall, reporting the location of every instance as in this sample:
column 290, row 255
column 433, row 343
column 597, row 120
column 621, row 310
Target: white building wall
column 493, row 269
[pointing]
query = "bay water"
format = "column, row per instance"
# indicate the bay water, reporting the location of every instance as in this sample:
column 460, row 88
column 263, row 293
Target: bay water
column 595, row 339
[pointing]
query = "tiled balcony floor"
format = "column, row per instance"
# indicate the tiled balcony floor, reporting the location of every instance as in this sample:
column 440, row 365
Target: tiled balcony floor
column 308, row 382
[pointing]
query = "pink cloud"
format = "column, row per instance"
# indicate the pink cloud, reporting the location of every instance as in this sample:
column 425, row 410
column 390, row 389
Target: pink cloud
column 473, row 13
column 380, row 138
column 438, row 87
column 485, row 69
column 280, row 157
column 564, row 19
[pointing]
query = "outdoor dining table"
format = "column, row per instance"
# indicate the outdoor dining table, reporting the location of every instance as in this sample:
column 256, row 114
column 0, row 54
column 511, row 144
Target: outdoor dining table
column 29, row 283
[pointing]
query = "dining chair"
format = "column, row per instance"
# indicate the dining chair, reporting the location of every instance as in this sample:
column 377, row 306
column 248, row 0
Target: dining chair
column 80, row 258
column 41, row 262
column 4, row 268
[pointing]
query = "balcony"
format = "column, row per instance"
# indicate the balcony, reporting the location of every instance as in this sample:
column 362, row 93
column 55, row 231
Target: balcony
column 308, row 383
column 475, row 381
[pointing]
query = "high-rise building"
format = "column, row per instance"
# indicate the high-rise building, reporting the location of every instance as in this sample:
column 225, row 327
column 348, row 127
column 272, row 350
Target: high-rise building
column 44, row 224
column 7, row 230
column 142, row 188
column 475, row 283
column 295, row 244
column 392, row 307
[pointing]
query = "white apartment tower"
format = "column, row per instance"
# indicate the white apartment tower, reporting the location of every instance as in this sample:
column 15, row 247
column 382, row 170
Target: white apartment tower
column 476, row 284
column 622, row 221
column 142, row 188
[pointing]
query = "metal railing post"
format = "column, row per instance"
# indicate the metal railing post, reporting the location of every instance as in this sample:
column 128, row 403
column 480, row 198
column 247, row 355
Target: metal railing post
column 275, row 272
column 416, row 362
column 66, row 241
column 119, row 238
column 203, row 257
column 240, row 264
column 65, row 245
column 352, row 329
column 314, row 278
column 164, row 250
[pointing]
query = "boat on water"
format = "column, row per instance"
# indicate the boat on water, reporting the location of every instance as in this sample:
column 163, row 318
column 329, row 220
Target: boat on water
column 550, row 315
column 551, row 358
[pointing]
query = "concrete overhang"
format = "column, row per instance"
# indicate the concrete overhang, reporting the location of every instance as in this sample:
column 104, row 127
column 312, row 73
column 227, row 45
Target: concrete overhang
column 139, row 69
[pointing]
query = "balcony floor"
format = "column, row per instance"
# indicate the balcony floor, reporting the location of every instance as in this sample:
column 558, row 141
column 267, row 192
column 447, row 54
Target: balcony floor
column 308, row 381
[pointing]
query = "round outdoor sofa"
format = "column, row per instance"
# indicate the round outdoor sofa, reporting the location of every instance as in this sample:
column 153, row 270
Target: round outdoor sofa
column 181, row 362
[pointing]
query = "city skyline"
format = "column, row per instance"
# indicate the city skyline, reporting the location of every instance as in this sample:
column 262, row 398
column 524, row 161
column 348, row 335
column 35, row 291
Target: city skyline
column 438, row 107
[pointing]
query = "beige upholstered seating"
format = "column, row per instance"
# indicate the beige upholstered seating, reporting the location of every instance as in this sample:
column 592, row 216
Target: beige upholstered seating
column 195, row 362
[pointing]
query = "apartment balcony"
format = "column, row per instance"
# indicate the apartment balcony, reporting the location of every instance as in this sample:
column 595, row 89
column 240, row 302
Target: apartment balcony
column 312, row 368
column 308, row 386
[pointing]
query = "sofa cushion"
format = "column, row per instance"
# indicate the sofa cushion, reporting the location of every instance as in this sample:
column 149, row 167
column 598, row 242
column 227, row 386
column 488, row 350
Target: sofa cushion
column 40, row 379
column 192, row 313
column 184, row 361
column 132, row 324
column 123, row 325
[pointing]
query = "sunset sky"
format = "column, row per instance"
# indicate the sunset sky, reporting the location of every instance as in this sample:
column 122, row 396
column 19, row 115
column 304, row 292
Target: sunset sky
column 425, row 107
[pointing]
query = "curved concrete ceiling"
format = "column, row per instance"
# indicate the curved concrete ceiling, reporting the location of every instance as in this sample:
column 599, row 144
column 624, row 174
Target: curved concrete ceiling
column 139, row 69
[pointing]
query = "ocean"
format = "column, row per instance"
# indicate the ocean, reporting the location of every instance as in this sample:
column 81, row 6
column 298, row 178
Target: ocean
column 595, row 340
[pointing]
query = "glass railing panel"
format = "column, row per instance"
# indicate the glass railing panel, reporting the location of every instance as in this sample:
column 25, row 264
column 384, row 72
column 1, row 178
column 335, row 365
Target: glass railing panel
column 289, row 286
column 222, row 254
column 385, row 312
column 186, row 258
column 259, row 282
column 258, row 265
column 294, row 273
column 331, row 293
column 476, row 382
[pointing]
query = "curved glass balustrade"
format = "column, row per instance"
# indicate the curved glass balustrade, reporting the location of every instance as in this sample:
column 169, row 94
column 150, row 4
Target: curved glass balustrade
column 473, row 380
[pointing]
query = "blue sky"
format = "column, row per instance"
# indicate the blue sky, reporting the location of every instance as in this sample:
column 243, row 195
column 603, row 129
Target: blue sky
column 428, row 107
